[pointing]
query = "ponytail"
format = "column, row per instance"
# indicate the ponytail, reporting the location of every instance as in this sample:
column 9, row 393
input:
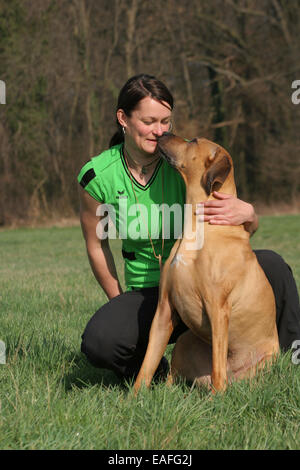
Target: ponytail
column 118, row 137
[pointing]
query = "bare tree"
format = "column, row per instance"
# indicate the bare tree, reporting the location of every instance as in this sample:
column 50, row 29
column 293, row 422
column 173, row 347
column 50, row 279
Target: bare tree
column 229, row 64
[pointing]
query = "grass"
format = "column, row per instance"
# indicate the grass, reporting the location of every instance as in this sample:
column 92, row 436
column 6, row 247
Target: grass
column 51, row 398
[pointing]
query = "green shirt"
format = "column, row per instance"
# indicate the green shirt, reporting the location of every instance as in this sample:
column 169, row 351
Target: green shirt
column 137, row 211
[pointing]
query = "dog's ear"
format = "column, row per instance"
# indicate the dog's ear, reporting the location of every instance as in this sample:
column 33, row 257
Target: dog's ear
column 218, row 166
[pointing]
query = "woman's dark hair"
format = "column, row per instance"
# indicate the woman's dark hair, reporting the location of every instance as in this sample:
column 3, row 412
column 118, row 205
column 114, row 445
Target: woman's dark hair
column 134, row 90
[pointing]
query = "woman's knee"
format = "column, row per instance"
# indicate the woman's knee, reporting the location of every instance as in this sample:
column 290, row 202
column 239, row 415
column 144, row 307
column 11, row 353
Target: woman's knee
column 98, row 341
column 97, row 347
column 110, row 338
column 116, row 335
column 108, row 350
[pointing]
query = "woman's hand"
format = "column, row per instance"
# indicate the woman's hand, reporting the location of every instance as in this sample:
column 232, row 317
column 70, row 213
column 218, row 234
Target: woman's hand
column 229, row 210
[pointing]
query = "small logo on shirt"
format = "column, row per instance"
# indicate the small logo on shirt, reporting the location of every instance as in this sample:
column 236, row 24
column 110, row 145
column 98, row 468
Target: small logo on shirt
column 121, row 195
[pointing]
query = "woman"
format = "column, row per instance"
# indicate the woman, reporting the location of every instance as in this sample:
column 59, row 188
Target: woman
column 130, row 174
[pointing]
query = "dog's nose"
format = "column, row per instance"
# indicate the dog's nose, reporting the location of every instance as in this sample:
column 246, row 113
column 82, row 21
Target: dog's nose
column 165, row 134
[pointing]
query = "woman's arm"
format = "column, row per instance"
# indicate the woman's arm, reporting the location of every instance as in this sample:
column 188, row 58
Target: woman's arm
column 99, row 253
column 229, row 210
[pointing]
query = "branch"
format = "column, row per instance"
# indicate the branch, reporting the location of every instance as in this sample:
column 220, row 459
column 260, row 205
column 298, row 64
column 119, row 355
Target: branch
column 283, row 24
column 232, row 122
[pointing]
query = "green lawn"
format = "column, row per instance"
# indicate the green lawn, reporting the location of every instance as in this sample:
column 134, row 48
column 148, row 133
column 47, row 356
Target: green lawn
column 51, row 398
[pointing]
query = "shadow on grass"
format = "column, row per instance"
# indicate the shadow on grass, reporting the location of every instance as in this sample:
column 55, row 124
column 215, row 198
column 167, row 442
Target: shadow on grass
column 51, row 354
column 83, row 375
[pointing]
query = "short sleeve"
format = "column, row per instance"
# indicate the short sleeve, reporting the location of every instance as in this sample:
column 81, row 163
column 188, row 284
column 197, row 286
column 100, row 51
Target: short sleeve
column 88, row 179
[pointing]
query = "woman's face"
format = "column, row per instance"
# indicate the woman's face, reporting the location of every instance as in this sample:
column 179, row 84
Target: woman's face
column 149, row 120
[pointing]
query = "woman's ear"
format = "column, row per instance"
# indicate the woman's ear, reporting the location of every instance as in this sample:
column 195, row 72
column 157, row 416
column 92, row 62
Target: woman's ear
column 122, row 118
column 218, row 166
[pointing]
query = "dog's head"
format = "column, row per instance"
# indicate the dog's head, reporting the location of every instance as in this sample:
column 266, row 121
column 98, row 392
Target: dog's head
column 198, row 160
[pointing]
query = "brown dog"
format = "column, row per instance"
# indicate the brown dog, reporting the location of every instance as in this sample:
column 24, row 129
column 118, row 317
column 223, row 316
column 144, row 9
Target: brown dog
column 219, row 290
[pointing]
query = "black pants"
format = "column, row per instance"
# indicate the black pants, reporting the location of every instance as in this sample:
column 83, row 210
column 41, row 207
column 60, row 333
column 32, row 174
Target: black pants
column 116, row 337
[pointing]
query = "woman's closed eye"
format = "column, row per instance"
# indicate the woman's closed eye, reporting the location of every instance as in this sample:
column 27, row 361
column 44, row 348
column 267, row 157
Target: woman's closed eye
column 163, row 123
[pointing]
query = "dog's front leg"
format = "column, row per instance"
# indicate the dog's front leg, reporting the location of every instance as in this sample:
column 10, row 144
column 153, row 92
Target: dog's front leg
column 219, row 319
column 160, row 332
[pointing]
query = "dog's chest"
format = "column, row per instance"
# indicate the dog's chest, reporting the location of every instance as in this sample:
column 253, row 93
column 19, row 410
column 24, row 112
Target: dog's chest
column 185, row 296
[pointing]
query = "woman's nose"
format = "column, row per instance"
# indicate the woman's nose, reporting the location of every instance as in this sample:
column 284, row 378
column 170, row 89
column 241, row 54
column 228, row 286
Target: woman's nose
column 158, row 130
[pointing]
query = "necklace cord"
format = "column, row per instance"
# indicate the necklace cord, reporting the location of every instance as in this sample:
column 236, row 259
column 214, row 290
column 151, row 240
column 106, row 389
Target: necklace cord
column 144, row 167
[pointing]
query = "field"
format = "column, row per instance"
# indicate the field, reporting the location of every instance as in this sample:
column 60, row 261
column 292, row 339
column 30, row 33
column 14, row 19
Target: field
column 51, row 398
